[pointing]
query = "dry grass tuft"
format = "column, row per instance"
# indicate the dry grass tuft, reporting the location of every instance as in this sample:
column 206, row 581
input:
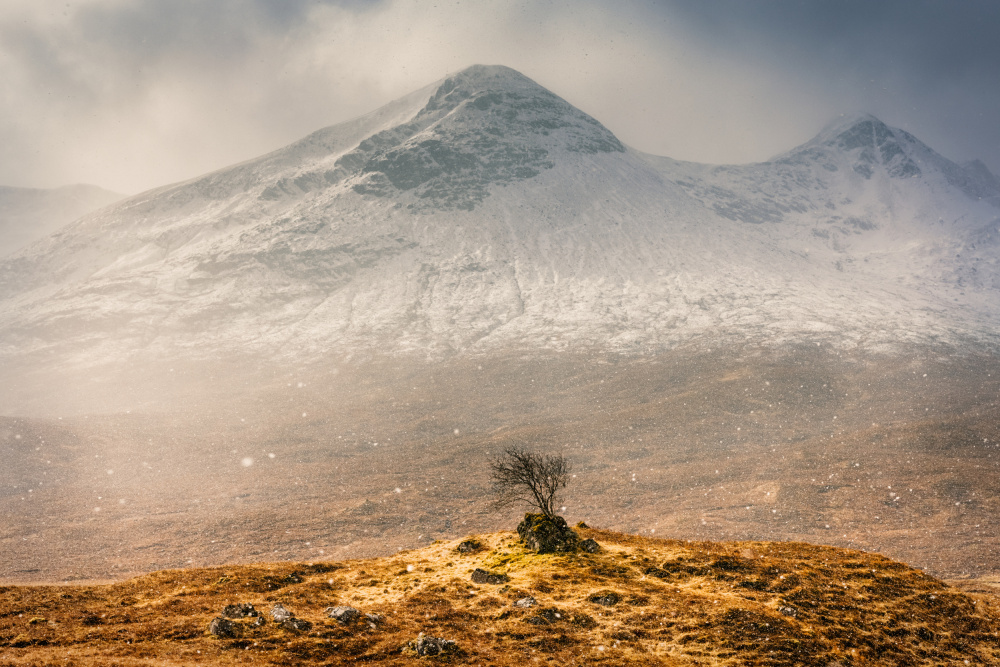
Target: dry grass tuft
column 639, row 601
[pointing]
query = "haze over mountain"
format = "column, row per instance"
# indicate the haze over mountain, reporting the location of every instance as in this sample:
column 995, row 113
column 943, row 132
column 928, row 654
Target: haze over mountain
column 28, row 214
column 799, row 349
column 484, row 212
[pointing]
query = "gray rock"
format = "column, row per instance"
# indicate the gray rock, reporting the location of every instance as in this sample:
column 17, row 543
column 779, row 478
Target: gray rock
column 590, row 545
column 788, row 611
column 223, row 627
column 280, row 614
column 428, row 646
column 296, row 624
column 481, row 576
column 525, row 603
column 469, row 546
column 343, row 614
column 243, row 610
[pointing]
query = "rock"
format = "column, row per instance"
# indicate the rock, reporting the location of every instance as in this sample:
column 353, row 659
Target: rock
column 223, row 627
column 590, row 545
column 481, row 576
column 606, row 598
column 525, row 603
column 788, row 611
column 280, row 614
column 427, row 646
column 296, row 624
column 547, row 534
column 469, row 546
column 545, row 617
column 343, row 614
column 244, row 610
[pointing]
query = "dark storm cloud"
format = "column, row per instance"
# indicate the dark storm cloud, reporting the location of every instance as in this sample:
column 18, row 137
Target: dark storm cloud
column 933, row 67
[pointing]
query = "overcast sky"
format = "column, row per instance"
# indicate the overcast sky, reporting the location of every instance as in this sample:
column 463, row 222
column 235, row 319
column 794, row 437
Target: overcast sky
column 132, row 94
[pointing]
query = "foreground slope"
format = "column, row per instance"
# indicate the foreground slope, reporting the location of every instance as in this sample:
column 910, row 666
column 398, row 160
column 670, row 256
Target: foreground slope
column 635, row 602
column 484, row 212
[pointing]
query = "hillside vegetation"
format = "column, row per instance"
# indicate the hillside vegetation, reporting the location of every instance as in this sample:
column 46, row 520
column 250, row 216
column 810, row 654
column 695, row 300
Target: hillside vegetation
column 637, row 601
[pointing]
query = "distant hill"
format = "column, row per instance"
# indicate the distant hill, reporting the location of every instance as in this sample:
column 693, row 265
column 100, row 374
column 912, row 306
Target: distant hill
column 637, row 601
column 28, row 214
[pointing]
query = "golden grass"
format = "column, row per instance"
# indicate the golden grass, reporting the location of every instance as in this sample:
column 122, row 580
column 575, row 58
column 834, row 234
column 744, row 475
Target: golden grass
column 678, row 603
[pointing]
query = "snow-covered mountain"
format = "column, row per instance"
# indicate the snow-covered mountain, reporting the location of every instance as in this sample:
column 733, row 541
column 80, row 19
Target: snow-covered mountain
column 28, row 214
column 484, row 212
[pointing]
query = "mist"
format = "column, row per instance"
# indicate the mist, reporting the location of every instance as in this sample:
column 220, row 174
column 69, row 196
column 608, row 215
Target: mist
column 130, row 96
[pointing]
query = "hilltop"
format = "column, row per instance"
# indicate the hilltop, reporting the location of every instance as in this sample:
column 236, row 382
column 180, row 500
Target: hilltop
column 638, row 601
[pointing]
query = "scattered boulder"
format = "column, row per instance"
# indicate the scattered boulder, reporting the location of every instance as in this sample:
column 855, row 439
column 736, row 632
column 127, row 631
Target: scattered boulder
column 606, row 598
column 223, row 627
column 243, row 610
column 546, row 535
column 343, row 614
column 296, row 624
column 481, row 576
column 525, row 603
column 469, row 546
column 788, row 611
column 545, row 617
column 590, row 545
column 429, row 646
column 280, row 614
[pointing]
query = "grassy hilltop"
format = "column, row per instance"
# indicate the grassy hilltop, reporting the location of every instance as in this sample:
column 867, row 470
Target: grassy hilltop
column 637, row 601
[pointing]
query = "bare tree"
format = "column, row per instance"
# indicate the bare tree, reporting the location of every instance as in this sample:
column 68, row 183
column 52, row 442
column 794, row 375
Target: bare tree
column 520, row 476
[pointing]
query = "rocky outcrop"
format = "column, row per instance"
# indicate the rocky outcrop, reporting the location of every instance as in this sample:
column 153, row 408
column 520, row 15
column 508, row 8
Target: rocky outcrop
column 545, row 535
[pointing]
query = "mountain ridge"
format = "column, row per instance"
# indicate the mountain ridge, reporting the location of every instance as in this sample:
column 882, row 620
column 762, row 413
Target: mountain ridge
column 484, row 211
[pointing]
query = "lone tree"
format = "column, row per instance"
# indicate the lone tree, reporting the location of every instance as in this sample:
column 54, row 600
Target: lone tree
column 520, row 476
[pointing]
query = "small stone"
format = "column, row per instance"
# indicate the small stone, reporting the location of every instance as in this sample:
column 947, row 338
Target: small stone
column 428, row 646
column 343, row 614
column 590, row 545
column 223, row 627
column 545, row 617
column 608, row 599
column 243, row 610
column 788, row 611
column 296, row 624
column 481, row 576
column 280, row 614
column 469, row 546
column 525, row 603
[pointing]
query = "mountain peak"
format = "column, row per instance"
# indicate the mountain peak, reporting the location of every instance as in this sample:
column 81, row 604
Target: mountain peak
column 485, row 126
column 870, row 143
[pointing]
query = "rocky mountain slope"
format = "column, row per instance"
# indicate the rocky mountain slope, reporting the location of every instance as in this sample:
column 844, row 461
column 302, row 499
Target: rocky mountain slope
column 28, row 214
column 637, row 601
column 484, row 212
